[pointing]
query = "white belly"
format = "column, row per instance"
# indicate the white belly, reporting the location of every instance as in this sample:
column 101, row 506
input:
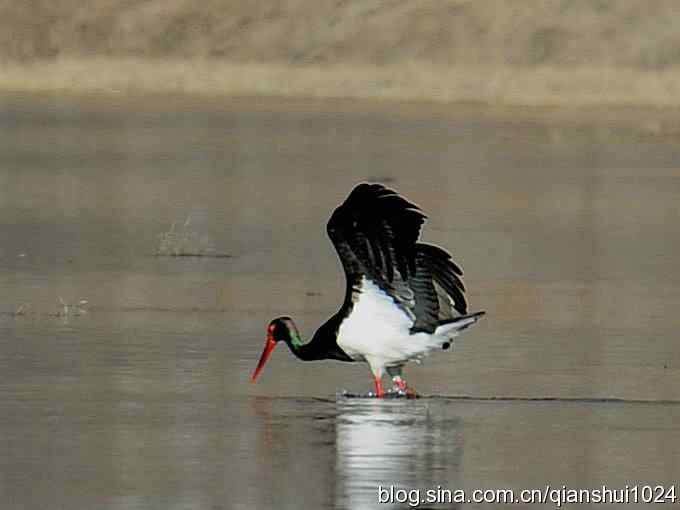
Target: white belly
column 377, row 331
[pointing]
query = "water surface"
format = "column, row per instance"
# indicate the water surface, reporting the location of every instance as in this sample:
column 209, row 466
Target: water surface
column 124, row 371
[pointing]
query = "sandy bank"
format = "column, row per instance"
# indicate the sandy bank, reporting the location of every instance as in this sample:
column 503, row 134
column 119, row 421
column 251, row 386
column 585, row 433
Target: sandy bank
column 535, row 52
column 540, row 86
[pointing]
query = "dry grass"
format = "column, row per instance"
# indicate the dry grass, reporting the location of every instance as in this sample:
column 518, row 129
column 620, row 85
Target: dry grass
column 631, row 33
column 500, row 85
column 534, row 52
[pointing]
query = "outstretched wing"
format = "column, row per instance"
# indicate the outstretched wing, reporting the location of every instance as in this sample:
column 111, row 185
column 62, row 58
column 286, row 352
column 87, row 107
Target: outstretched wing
column 375, row 233
column 438, row 287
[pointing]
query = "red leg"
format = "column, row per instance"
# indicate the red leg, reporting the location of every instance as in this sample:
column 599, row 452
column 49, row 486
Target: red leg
column 401, row 384
column 379, row 392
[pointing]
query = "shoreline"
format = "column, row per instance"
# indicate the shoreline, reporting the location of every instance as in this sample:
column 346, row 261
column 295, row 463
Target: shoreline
column 512, row 86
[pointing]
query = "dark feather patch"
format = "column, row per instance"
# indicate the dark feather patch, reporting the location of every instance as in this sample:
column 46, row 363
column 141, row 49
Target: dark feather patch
column 375, row 233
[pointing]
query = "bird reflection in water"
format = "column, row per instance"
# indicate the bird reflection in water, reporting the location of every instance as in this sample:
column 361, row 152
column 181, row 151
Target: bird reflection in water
column 336, row 452
column 398, row 443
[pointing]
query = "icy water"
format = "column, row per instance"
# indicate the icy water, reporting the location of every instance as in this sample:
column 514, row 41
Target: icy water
column 124, row 370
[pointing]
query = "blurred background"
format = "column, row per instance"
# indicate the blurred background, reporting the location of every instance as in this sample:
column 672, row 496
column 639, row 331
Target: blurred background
column 553, row 52
column 166, row 172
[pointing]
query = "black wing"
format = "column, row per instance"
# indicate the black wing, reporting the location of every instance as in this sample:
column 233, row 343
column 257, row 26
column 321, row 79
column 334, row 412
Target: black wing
column 375, row 233
column 438, row 288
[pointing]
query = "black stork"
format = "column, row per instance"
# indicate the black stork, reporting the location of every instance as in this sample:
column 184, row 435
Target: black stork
column 404, row 299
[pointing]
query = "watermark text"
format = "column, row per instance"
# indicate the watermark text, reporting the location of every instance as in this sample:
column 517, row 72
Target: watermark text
column 558, row 496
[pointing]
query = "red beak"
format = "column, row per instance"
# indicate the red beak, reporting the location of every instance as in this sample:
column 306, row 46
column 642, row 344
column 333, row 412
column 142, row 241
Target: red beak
column 268, row 348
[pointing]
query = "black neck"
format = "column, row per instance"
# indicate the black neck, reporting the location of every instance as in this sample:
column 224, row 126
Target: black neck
column 323, row 344
column 307, row 352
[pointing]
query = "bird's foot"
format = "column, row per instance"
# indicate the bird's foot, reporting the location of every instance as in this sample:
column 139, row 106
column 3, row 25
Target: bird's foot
column 401, row 388
column 379, row 391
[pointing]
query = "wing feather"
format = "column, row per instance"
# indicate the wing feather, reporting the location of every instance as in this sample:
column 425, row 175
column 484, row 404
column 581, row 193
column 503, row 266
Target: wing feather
column 375, row 233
